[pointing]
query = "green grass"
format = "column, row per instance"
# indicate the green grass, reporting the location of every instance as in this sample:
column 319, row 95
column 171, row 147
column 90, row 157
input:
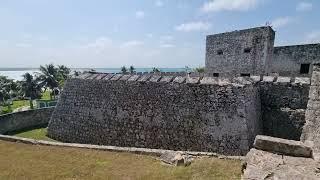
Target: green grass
column 25, row 161
column 38, row 134
column 15, row 105
column 46, row 95
column 22, row 103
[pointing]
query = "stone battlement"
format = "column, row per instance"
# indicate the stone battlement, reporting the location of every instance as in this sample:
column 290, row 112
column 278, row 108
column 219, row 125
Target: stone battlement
column 194, row 79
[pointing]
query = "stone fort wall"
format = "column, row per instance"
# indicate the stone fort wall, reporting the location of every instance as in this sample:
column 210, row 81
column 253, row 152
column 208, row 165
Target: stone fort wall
column 25, row 120
column 158, row 112
column 287, row 60
column 179, row 113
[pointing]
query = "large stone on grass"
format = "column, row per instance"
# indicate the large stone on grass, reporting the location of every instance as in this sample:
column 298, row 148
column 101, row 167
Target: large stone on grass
column 282, row 146
column 176, row 159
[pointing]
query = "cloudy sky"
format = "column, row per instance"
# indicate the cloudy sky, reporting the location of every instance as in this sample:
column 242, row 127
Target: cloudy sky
column 143, row 33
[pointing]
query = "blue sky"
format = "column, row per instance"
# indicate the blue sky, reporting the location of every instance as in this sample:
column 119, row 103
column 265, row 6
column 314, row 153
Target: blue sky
column 144, row 33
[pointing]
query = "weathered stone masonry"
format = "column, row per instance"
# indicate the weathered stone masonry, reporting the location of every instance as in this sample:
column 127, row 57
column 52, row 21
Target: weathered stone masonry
column 25, row 120
column 311, row 130
column 167, row 115
column 179, row 113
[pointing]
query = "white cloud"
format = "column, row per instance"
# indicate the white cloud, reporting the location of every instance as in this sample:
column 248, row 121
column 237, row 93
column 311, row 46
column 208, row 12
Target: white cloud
column 167, row 45
column 159, row 3
column 193, row 26
column 229, row 5
column 140, row 14
column 304, row 6
column 23, row 45
column 149, row 35
column 166, row 38
column 313, row 37
column 133, row 43
column 282, row 21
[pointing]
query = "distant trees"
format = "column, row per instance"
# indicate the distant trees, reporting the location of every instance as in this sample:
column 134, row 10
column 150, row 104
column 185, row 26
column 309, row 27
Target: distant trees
column 124, row 70
column 155, row 70
column 5, row 91
column 199, row 69
column 132, row 70
column 30, row 88
column 53, row 77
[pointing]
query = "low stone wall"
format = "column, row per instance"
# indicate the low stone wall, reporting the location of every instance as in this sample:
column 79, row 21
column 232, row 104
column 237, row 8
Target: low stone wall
column 25, row 120
column 158, row 112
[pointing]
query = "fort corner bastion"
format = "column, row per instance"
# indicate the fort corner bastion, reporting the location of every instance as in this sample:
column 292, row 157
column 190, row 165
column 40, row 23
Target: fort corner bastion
column 220, row 112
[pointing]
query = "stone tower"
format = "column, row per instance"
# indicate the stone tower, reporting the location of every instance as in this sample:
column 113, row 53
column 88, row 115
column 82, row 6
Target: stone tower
column 240, row 53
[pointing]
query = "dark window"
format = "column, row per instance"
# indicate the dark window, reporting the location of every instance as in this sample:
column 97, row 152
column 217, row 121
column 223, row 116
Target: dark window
column 220, row 52
column 245, row 74
column 247, row 50
column 304, row 68
column 215, row 74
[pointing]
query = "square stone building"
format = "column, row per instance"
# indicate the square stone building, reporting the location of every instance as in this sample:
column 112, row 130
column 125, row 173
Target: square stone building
column 240, row 53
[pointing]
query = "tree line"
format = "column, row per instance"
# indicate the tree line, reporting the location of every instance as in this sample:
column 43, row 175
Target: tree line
column 33, row 85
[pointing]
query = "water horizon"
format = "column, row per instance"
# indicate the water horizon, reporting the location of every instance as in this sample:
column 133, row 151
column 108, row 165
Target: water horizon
column 16, row 73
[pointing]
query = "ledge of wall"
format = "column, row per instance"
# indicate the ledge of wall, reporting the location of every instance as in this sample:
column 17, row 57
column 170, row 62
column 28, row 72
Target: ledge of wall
column 24, row 119
column 195, row 78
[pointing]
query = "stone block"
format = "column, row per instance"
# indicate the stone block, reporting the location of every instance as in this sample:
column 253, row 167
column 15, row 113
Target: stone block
column 256, row 78
column 209, row 80
column 176, row 158
column 243, row 80
column 302, row 80
column 166, row 79
column 179, row 79
column 134, row 78
column 116, row 77
column 101, row 76
column 192, row 80
column 125, row 77
column 144, row 78
column 155, row 78
column 269, row 78
column 282, row 146
column 92, row 76
column 283, row 80
column 108, row 77
column 84, row 75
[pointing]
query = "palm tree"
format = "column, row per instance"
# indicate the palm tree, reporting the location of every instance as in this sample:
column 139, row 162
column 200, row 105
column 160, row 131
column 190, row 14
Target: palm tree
column 63, row 75
column 64, row 72
column 199, row 69
column 131, row 69
column 155, row 70
column 124, row 70
column 30, row 88
column 8, row 90
column 49, row 77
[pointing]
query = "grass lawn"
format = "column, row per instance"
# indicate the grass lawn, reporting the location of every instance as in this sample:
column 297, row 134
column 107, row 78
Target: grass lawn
column 23, row 161
column 46, row 95
column 15, row 105
column 39, row 134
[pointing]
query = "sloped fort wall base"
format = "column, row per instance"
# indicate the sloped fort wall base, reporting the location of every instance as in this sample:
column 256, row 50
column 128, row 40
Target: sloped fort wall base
column 222, row 118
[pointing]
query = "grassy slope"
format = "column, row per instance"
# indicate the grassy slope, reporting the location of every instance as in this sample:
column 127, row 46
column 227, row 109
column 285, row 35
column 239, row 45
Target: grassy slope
column 39, row 134
column 23, row 161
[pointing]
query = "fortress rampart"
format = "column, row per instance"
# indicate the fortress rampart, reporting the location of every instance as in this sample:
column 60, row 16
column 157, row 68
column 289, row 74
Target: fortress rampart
column 179, row 113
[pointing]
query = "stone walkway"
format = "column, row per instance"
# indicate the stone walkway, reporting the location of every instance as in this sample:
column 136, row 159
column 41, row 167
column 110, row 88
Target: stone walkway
column 262, row 165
